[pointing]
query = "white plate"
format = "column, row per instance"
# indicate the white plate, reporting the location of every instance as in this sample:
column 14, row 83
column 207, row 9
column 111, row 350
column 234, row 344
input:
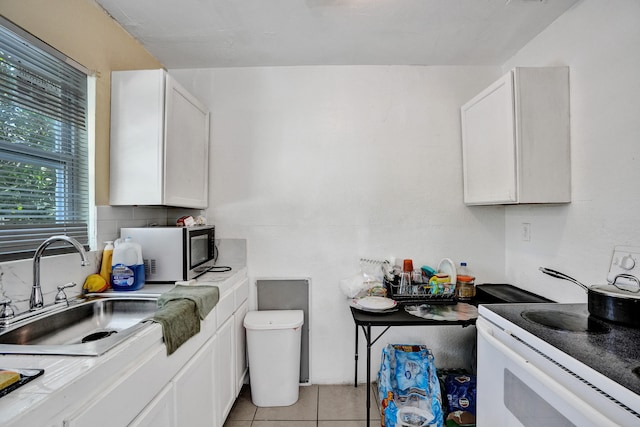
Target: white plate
column 447, row 266
column 376, row 303
column 354, row 304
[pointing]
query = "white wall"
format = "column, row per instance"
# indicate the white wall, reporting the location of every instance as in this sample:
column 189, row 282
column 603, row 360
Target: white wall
column 600, row 42
column 319, row 166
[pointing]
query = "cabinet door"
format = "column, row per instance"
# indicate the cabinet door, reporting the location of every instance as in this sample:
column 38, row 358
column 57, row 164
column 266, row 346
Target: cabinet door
column 136, row 139
column 160, row 412
column 489, row 146
column 241, row 345
column 225, row 369
column 194, row 389
column 186, row 164
column 543, row 134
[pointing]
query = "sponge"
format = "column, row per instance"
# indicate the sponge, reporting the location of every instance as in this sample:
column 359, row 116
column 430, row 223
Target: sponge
column 7, row 378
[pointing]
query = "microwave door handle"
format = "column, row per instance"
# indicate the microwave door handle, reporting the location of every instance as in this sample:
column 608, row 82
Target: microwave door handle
column 591, row 414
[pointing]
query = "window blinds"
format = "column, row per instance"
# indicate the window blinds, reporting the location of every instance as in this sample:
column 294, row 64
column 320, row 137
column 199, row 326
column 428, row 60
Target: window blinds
column 44, row 187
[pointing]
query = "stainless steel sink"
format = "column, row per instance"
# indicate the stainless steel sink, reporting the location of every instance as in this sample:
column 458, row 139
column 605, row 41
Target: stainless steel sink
column 87, row 328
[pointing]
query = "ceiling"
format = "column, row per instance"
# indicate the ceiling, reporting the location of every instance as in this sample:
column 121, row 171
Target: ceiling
column 243, row 33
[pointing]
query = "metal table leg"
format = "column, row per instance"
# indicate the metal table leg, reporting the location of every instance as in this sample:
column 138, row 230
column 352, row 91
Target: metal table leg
column 370, row 342
column 368, row 375
column 355, row 379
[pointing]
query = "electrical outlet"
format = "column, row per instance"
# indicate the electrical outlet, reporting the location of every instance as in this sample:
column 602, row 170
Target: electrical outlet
column 525, row 232
column 625, row 261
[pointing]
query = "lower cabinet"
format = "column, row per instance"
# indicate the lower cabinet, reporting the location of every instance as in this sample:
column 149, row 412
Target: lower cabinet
column 224, row 360
column 241, row 345
column 194, row 386
column 160, row 412
column 121, row 402
column 230, row 358
column 185, row 400
column 184, row 389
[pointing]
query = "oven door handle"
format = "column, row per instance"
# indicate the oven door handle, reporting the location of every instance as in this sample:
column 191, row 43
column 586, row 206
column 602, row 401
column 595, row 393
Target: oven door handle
column 485, row 330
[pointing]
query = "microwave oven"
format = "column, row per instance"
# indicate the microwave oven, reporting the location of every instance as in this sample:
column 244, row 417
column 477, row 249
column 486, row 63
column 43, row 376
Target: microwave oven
column 174, row 254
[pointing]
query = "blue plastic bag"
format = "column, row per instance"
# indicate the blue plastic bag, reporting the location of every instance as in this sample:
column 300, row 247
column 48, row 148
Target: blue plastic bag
column 461, row 392
column 408, row 387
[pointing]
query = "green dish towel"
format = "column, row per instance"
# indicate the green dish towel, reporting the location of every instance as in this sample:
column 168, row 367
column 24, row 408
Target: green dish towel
column 205, row 297
column 179, row 320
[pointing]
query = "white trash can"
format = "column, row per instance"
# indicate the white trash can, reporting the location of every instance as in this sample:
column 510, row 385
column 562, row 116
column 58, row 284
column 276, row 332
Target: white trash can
column 273, row 346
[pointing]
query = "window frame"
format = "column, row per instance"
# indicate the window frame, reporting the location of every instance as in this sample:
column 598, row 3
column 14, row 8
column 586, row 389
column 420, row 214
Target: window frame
column 73, row 192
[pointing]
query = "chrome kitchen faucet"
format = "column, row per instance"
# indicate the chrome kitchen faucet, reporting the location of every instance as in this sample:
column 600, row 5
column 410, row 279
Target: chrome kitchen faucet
column 37, row 301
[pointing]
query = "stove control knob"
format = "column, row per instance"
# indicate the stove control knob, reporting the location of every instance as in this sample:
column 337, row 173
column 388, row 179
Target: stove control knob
column 627, row 262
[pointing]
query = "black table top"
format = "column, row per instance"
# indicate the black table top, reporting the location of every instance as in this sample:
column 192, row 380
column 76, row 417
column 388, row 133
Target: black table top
column 400, row 318
column 487, row 293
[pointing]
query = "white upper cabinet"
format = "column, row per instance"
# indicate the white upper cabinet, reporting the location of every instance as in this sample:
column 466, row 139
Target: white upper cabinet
column 515, row 139
column 159, row 142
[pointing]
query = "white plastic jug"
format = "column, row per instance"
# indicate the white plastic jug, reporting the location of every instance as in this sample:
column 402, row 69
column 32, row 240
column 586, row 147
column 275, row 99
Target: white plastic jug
column 127, row 271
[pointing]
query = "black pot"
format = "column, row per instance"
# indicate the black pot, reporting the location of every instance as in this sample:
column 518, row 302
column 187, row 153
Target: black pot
column 609, row 302
column 618, row 307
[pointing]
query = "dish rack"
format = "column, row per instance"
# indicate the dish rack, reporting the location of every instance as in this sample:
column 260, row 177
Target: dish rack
column 419, row 293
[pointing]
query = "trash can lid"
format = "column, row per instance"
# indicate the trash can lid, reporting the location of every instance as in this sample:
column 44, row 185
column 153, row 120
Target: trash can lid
column 273, row 319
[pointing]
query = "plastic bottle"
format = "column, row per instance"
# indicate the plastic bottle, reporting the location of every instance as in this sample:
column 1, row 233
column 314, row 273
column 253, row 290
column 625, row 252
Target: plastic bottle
column 107, row 257
column 465, row 283
column 127, row 272
column 463, row 270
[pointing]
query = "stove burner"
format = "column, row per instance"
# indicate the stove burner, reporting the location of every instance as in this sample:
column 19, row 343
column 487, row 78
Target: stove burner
column 562, row 321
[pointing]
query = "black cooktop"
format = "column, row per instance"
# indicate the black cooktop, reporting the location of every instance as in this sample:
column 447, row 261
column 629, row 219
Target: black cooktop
column 496, row 293
column 610, row 349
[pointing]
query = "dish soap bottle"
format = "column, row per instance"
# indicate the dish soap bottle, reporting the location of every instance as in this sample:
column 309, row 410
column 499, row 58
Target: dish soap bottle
column 127, row 273
column 107, row 256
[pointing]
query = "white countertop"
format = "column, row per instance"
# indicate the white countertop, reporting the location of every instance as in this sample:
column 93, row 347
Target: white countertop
column 69, row 380
column 223, row 280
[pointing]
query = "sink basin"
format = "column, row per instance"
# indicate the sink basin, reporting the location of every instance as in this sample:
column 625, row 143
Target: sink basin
column 88, row 328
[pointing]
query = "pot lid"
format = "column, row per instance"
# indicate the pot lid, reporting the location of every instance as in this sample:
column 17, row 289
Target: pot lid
column 613, row 291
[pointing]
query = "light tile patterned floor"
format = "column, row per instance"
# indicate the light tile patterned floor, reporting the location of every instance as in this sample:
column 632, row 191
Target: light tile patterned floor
column 317, row 406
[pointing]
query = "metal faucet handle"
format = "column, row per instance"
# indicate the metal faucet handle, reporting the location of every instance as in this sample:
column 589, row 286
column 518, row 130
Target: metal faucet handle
column 61, row 296
column 7, row 312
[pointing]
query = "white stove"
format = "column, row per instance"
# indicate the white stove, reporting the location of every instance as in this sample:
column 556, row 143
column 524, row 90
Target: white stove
column 554, row 365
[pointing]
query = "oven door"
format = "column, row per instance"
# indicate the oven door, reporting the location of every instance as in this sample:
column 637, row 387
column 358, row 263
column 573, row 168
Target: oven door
column 519, row 386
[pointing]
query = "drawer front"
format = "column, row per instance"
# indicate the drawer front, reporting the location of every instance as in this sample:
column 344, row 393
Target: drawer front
column 241, row 292
column 225, row 306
